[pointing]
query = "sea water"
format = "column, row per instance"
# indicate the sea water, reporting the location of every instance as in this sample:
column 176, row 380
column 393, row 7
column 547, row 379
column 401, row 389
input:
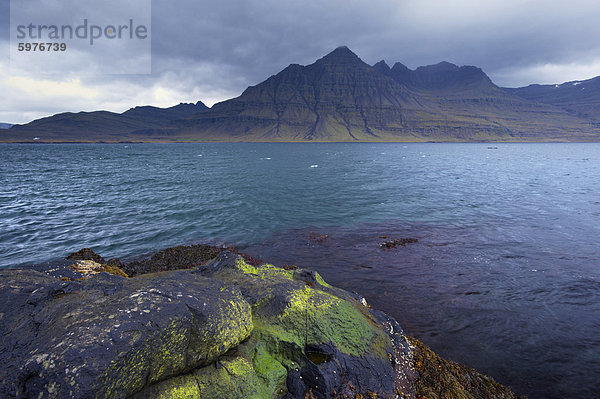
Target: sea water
column 505, row 276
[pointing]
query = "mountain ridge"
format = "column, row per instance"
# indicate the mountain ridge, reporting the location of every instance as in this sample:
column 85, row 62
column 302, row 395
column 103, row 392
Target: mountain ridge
column 101, row 125
column 578, row 97
column 339, row 97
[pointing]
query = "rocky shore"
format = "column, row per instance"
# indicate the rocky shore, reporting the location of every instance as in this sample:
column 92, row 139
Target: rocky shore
column 206, row 322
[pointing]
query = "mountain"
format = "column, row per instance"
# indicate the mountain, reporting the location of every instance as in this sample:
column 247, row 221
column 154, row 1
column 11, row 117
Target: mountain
column 339, row 97
column 102, row 125
column 443, row 77
column 579, row 97
column 156, row 115
column 5, row 125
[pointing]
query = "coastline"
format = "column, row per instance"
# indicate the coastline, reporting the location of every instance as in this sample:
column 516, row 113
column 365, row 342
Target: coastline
column 194, row 141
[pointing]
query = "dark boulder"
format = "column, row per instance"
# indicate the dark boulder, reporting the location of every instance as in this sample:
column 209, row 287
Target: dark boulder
column 86, row 254
column 109, row 336
column 181, row 257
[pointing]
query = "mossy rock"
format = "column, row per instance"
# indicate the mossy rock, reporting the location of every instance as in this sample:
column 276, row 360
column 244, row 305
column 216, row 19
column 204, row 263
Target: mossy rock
column 300, row 307
column 229, row 378
column 294, row 310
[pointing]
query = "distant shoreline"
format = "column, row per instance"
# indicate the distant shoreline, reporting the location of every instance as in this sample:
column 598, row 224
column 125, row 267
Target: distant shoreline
column 302, row 142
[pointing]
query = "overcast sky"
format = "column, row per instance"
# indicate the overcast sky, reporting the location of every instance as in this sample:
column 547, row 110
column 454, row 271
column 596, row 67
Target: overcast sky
column 212, row 50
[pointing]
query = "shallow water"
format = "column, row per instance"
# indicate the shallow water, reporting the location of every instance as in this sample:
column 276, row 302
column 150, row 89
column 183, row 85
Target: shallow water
column 505, row 276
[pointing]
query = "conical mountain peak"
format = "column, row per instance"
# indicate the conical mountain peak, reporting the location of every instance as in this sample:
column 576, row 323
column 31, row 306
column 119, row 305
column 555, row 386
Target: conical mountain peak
column 343, row 51
column 341, row 56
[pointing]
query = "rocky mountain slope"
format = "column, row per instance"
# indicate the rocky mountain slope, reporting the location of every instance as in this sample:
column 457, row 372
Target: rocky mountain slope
column 580, row 97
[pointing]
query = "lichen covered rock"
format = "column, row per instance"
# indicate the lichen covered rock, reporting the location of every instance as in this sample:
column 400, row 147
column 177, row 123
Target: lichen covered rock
column 88, row 267
column 109, row 336
column 230, row 377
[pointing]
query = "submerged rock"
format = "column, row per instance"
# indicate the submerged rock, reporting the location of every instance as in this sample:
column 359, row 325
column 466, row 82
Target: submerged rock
column 223, row 329
column 440, row 378
column 395, row 242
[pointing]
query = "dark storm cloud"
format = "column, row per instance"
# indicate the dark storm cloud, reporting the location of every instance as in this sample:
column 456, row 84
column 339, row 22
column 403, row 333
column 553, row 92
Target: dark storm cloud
column 256, row 39
column 212, row 50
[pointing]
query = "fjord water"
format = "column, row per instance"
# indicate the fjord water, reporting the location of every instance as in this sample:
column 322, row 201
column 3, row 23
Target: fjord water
column 505, row 276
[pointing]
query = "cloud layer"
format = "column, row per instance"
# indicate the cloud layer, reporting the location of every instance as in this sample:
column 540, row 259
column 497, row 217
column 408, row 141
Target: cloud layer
column 211, row 51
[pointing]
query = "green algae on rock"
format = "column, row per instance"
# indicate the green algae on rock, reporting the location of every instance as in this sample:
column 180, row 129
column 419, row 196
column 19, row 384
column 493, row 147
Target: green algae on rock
column 231, row 377
column 297, row 317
